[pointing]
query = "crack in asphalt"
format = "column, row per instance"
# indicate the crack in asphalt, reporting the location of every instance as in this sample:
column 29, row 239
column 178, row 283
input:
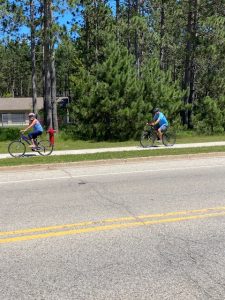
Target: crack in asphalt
column 114, row 203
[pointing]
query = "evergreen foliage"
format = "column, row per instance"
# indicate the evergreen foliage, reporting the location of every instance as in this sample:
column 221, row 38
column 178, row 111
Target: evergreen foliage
column 109, row 104
column 117, row 60
column 210, row 118
column 161, row 91
column 9, row 134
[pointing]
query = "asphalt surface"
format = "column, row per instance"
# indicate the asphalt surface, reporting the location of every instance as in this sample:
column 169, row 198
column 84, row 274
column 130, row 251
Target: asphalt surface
column 121, row 149
column 153, row 229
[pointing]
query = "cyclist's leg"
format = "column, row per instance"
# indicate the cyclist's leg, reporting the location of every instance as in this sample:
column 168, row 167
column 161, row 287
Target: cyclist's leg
column 36, row 141
column 162, row 129
column 159, row 132
column 156, row 127
column 33, row 135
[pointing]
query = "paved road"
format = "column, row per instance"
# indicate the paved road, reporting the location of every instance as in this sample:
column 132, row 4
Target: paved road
column 136, row 230
column 132, row 148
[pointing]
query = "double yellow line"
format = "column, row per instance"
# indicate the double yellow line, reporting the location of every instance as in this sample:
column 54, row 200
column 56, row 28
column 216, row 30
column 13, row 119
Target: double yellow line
column 109, row 224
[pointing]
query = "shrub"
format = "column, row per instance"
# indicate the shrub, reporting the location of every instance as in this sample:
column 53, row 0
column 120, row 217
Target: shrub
column 7, row 134
column 209, row 118
column 69, row 131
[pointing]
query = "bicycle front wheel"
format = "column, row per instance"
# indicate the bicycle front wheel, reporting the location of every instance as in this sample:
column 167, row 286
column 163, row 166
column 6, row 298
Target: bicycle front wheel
column 44, row 148
column 169, row 138
column 16, row 149
column 147, row 139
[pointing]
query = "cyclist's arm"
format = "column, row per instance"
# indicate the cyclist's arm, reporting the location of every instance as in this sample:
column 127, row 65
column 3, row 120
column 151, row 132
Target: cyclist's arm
column 156, row 122
column 151, row 123
column 30, row 126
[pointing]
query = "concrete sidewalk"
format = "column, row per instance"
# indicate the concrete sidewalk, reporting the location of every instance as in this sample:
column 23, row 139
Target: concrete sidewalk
column 121, row 149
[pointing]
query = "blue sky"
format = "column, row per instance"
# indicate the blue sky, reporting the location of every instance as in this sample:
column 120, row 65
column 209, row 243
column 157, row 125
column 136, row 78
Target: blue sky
column 63, row 20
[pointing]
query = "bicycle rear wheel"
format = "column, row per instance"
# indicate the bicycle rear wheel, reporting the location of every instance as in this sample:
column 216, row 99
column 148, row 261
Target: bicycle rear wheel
column 44, row 148
column 147, row 139
column 169, row 138
column 16, row 149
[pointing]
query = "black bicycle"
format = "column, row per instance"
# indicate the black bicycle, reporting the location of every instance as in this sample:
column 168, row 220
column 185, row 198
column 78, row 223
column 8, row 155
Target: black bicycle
column 18, row 148
column 149, row 137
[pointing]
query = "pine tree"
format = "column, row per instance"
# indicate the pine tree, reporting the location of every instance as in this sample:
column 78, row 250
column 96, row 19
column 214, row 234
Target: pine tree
column 161, row 91
column 110, row 104
column 209, row 118
column 95, row 33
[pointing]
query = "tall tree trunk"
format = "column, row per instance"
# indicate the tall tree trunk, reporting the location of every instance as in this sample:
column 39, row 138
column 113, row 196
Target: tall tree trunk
column 192, row 63
column 47, row 66
column 96, row 7
column 87, row 33
column 13, row 80
column 189, row 71
column 128, row 24
column 117, row 10
column 50, row 105
column 53, row 94
column 162, row 33
column 53, row 77
column 33, row 58
column 136, row 40
column 117, row 19
column 21, row 87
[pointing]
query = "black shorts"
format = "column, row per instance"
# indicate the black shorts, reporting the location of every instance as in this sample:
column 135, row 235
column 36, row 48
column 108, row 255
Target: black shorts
column 35, row 134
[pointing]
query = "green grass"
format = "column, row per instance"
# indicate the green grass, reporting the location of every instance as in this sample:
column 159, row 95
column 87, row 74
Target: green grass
column 61, row 144
column 105, row 156
column 190, row 137
column 182, row 137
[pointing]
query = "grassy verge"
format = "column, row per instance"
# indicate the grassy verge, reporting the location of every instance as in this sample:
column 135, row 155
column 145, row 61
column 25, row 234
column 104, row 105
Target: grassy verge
column 182, row 138
column 61, row 144
column 105, row 156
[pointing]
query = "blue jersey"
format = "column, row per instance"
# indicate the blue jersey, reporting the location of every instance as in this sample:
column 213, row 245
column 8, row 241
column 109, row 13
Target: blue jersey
column 38, row 127
column 162, row 119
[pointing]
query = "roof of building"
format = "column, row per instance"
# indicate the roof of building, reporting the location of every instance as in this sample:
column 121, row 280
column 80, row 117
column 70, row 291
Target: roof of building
column 21, row 104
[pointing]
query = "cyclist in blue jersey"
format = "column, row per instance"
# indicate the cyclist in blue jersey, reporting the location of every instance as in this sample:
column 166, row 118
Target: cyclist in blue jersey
column 159, row 122
column 37, row 129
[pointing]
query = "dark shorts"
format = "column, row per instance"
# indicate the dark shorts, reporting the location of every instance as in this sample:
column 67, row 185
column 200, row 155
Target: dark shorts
column 35, row 134
column 163, row 128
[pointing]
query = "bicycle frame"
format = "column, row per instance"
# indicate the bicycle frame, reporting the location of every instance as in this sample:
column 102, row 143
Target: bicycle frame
column 150, row 134
column 17, row 148
column 152, row 129
column 27, row 139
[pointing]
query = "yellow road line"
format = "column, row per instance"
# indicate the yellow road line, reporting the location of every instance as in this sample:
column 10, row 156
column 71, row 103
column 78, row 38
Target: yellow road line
column 137, row 218
column 106, row 228
column 31, row 230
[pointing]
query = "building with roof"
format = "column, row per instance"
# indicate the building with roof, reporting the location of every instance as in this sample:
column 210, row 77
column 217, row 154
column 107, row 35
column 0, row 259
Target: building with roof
column 14, row 111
